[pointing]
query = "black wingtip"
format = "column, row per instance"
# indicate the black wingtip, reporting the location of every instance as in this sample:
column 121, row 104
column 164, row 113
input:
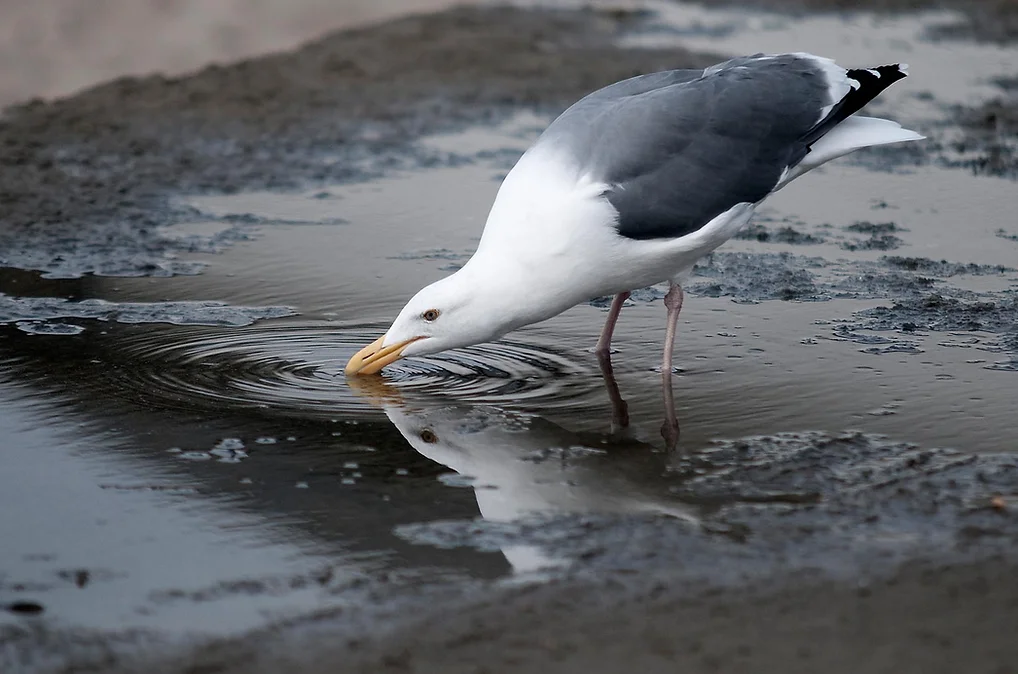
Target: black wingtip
column 867, row 84
column 877, row 79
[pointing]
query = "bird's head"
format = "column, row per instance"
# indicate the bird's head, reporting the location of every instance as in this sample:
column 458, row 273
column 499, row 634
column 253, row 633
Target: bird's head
column 453, row 312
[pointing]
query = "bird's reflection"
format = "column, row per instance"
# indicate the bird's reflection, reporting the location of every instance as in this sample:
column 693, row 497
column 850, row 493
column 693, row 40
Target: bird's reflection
column 620, row 409
column 521, row 464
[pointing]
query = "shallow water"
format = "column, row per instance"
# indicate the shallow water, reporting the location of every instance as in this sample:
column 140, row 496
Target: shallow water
column 193, row 473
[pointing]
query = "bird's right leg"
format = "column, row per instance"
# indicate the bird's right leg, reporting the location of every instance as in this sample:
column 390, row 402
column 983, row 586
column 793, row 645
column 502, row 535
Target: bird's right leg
column 673, row 303
column 604, row 343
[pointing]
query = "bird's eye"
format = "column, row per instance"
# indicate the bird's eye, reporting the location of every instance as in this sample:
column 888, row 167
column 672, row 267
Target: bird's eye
column 430, row 315
column 428, row 436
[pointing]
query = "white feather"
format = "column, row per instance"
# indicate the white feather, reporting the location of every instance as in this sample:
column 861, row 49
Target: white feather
column 853, row 134
column 838, row 81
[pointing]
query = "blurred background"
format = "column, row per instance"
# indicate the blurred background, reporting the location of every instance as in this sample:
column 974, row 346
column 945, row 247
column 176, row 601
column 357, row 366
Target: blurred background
column 53, row 48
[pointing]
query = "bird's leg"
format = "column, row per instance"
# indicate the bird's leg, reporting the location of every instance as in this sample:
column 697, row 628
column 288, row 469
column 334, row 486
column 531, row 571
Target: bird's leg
column 670, row 427
column 604, row 343
column 620, row 410
column 673, row 303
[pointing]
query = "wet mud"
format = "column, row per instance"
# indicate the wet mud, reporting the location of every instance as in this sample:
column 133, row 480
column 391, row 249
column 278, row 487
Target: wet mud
column 681, row 626
column 991, row 133
column 758, row 232
column 29, row 313
column 185, row 263
column 990, row 20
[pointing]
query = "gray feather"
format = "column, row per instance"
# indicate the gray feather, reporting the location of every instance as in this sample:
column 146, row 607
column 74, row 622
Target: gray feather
column 681, row 147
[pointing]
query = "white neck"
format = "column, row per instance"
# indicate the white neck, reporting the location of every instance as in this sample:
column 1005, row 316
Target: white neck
column 511, row 292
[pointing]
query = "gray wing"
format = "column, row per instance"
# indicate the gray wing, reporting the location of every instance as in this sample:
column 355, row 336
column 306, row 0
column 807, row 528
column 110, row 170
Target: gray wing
column 681, row 147
column 631, row 87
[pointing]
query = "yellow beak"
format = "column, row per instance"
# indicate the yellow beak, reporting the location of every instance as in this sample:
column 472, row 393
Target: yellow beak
column 373, row 357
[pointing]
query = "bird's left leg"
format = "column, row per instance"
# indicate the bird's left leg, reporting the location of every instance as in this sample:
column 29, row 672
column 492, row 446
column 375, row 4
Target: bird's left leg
column 620, row 410
column 670, row 427
column 604, row 343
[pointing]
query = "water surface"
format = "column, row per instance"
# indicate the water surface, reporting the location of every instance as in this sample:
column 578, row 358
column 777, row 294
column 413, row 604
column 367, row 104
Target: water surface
column 191, row 472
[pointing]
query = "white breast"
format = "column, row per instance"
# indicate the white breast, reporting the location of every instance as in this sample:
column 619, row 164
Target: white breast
column 551, row 228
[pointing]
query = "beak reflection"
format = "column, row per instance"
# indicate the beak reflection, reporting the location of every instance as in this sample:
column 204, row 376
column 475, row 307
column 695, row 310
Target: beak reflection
column 373, row 357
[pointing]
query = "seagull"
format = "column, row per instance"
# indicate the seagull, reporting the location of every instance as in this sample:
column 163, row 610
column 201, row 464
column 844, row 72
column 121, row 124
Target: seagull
column 634, row 183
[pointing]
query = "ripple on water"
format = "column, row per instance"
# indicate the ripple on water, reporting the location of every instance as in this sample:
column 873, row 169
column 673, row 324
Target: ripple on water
column 297, row 368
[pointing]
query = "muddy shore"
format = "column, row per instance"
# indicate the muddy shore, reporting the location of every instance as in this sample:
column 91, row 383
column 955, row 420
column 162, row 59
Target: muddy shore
column 990, row 20
column 916, row 573
column 929, row 619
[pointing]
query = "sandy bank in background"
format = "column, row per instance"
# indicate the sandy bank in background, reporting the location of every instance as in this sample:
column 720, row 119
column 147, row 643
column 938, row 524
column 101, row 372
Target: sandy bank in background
column 55, row 47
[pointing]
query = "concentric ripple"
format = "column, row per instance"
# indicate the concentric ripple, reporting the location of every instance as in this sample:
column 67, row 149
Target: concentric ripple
column 297, row 368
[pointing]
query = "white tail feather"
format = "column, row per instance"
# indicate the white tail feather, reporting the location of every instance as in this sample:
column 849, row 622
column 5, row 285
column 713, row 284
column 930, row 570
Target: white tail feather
column 853, row 134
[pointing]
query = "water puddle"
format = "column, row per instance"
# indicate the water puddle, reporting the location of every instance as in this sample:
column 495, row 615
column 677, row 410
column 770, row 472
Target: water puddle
column 189, row 456
column 294, row 369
